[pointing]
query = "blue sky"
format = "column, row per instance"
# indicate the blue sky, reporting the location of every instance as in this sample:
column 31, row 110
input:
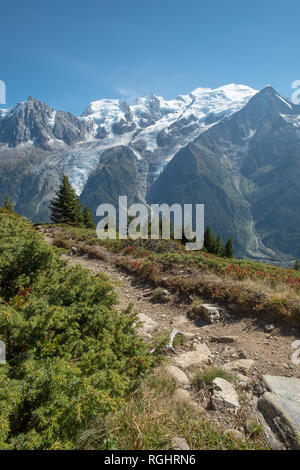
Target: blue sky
column 69, row 53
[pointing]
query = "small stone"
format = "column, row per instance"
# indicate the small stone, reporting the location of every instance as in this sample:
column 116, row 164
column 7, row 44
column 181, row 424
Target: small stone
column 149, row 325
column 236, row 434
column 179, row 443
column 224, row 395
column 241, row 354
column 269, row 327
column 241, row 366
column 224, row 339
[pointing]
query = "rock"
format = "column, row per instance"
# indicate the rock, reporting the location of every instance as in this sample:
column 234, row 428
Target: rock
column 240, row 366
column 178, row 375
column 209, row 313
column 182, row 395
column 160, row 295
column 179, row 443
column 224, row 395
column 191, row 358
column 235, row 434
column 202, row 348
column 281, row 406
column 242, row 380
column 189, row 335
column 224, row 339
column 180, row 320
column 241, row 354
column 269, row 327
column 149, row 325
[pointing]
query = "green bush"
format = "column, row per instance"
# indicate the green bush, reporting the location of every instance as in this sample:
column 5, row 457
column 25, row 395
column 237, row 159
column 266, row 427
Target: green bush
column 70, row 355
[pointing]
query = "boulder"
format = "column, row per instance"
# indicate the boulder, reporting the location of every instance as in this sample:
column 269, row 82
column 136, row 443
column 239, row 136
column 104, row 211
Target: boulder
column 180, row 377
column 281, row 406
column 224, row 395
column 209, row 313
column 192, row 358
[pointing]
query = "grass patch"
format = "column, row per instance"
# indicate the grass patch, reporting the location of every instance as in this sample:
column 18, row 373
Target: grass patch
column 205, row 377
column 152, row 417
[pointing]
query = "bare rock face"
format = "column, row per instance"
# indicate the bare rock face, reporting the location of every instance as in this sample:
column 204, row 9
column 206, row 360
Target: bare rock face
column 224, row 395
column 37, row 122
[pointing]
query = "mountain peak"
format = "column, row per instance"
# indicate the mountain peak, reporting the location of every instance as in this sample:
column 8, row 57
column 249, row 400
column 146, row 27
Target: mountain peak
column 269, row 101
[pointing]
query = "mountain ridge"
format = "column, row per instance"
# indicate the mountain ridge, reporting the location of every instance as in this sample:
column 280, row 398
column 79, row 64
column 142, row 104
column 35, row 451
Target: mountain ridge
column 226, row 134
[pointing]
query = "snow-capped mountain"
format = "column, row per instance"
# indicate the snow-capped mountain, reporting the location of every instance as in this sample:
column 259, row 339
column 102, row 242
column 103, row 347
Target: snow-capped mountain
column 148, row 123
column 223, row 147
column 153, row 128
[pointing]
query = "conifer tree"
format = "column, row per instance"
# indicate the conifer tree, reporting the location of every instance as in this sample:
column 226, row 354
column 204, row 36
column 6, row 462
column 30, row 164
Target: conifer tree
column 88, row 218
column 7, row 204
column 209, row 240
column 219, row 249
column 228, row 252
column 297, row 265
column 65, row 207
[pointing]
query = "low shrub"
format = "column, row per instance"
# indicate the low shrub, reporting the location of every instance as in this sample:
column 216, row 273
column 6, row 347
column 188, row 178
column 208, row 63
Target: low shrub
column 71, row 356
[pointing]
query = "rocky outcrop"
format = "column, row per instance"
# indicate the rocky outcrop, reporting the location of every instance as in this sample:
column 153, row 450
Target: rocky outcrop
column 36, row 122
column 281, row 406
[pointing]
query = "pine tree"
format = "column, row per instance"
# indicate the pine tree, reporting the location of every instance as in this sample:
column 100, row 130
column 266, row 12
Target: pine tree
column 297, row 265
column 88, row 218
column 65, row 207
column 209, row 240
column 219, row 249
column 7, row 204
column 228, row 252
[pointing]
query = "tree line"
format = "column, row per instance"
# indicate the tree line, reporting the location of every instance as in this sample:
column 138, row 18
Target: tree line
column 215, row 245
